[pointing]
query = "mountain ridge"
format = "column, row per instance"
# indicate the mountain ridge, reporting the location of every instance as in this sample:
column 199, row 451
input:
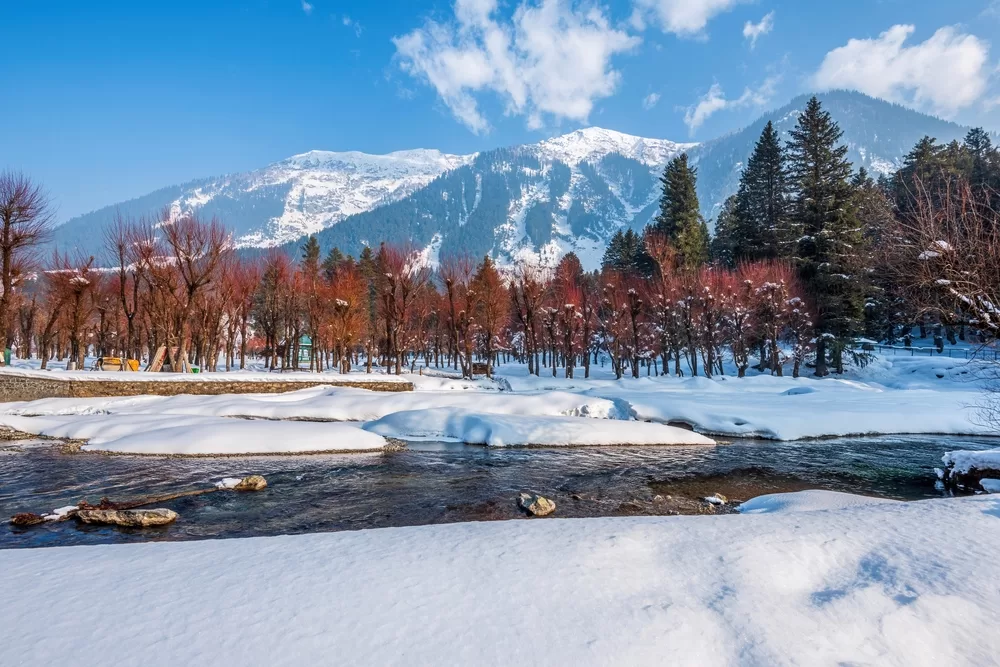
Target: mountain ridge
column 561, row 194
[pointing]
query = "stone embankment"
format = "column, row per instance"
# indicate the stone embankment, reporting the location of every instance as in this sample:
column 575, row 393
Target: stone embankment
column 17, row 385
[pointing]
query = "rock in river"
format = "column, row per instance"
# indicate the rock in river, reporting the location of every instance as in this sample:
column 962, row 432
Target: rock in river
column 128, row 518
column 536, row 505
column 251, row 483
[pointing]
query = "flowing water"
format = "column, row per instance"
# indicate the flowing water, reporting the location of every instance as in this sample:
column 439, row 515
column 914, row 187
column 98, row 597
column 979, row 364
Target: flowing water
column 438, row 482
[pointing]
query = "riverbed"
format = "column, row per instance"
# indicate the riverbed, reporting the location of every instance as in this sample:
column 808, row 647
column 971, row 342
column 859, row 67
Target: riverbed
column 430, row 483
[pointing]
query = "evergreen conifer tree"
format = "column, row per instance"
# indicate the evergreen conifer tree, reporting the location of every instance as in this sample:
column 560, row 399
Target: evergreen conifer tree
column 333, row 261
column 310, row 256
column 829, row 249
column 984, row 165
column 761, row 222
column 922, row 167
column 679, row 219
column 887, row 313
column 722, row 248
column 626, row 252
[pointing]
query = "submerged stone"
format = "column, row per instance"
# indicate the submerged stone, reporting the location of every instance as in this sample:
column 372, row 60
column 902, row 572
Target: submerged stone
column 251, row 483
column 536, row 505
column 128, row 518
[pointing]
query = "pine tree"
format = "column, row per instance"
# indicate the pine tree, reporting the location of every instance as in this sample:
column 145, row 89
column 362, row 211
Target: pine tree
column 922, row 167
column 829, row 247
column 886, row 310
column 984, row 165
column 722, row 249
column 310, row 256
column 760, row 230
column 626, row 252
column 334, row 259
column 679, row 219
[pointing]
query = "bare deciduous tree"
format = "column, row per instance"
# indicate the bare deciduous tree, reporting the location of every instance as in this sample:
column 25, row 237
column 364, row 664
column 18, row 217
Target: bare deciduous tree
column 25, row 221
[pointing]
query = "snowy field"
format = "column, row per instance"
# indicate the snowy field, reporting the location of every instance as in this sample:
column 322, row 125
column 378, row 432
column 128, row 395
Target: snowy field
column 813, row 579
column 893, row 395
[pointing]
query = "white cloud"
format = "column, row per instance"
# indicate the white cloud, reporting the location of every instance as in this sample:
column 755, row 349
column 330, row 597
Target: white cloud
column 307, row 8
column 715, row 100
column 551, row 59
column 650, row 101
column 681, row 17
column 753, row 31
column 352, row 24
column 946, row 73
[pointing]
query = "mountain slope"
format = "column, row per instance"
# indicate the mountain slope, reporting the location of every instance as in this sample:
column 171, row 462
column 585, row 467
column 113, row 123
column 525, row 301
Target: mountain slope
column 298, row 196
column 567, row 193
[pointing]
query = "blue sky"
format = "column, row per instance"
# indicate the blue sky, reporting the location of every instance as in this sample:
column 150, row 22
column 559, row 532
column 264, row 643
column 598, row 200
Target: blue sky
column 112, row 99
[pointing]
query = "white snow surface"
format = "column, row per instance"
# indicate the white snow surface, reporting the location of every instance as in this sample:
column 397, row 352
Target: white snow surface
column 963, row 461
column 894, row 395
column 494, row 430
column 807, row 501
column 192, row 435
column 990, row 485
column 593, row 143
column 884, row 584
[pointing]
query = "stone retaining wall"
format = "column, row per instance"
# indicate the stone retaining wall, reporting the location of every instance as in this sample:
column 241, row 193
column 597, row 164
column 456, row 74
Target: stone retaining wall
column 14, row 387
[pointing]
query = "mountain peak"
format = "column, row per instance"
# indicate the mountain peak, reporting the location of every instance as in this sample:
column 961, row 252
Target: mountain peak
column 591, row 143
column 423, row 160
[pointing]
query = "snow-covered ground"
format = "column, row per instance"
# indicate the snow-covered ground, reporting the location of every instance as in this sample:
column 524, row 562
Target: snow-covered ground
column 194, row 435
column 505, row 430
column 893, row 395
column 851, row 583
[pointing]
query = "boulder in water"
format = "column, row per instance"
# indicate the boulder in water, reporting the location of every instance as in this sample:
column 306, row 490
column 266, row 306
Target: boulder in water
column 536, row 505
column 251, row 483
column 128, row 518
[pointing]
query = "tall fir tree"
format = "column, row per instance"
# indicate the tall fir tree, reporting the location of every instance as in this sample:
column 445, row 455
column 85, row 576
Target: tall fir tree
column 334, row 259
column 887, row 313
column 923, row 168
column 761, row 213
column 626, row 252
column 310, row 256
column 722, row 249
column 680, row 218
column 984, row 166
column 829, row 256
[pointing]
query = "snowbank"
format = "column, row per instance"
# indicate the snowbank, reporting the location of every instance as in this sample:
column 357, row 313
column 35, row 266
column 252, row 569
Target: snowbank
column 497, row 430
column 166, row 434
column 963, row 462
column 886, row 584
column 330, row 403
column 807, row 501
column 792, row 409
column 903, row 395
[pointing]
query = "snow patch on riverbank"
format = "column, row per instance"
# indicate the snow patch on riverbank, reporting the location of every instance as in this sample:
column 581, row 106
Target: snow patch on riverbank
column 808, row 501
column 495, row 430
column 167, row 434
column 963, row 462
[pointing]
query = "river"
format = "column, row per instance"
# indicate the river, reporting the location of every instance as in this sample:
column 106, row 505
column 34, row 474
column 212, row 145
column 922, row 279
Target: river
column 441, row 482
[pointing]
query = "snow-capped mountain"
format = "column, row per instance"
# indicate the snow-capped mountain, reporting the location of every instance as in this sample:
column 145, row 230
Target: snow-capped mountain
column 593, row 143
column 319, row 189
column 567, row 193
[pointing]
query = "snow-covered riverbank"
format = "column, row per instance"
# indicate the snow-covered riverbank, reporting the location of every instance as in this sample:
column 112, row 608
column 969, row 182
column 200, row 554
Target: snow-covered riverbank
column 847, row 583
column 894, row 395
